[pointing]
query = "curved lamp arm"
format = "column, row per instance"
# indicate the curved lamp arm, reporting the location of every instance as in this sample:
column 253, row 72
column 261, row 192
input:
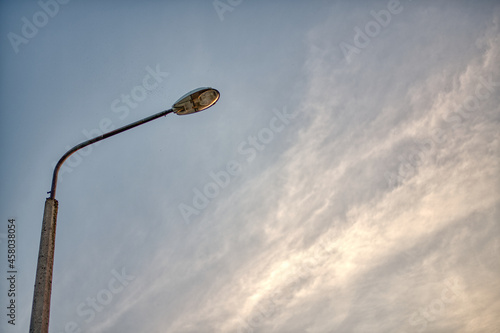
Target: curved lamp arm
column 96, row 139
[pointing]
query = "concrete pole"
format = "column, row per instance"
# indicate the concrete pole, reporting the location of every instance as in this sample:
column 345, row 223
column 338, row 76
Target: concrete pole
column 40, row 312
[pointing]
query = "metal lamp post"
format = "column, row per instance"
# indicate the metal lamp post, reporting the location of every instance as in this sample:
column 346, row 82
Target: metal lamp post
column 194, row 101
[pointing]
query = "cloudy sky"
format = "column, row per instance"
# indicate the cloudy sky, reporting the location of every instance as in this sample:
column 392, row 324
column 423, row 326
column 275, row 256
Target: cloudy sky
column 348, row 179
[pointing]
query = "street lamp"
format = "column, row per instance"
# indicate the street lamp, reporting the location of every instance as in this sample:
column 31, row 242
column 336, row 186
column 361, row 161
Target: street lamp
column 194, row 101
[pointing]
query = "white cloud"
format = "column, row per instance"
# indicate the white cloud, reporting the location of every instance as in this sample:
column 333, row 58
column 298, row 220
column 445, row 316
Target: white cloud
column 394, row 250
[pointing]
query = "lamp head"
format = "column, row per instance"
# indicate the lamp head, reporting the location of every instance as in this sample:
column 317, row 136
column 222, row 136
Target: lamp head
column 196, row 100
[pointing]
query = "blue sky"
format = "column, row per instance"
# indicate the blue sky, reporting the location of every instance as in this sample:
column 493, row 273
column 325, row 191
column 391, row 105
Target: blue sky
column 346, row 181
